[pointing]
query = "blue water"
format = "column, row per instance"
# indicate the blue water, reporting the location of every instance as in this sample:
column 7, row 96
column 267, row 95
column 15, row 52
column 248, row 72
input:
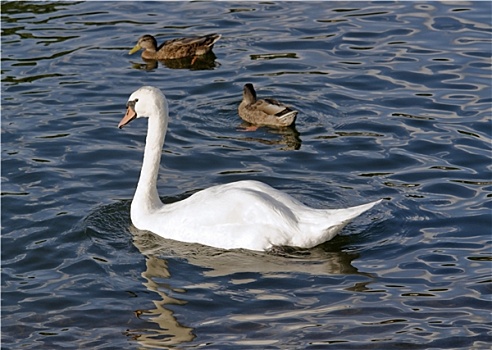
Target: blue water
column 394, row 102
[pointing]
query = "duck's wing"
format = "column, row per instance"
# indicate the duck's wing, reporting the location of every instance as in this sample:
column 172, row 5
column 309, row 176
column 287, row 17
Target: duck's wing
column 191, row 45
column 273, row 107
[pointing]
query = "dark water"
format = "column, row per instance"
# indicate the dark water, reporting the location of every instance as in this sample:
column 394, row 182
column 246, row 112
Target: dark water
column 395, row 103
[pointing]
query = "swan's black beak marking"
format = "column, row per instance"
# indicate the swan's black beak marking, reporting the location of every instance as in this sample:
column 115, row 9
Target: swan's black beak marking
column 129, row 115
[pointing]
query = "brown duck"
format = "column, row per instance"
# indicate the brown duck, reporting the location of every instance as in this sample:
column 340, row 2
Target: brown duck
column 175, row 48
column 264, row 112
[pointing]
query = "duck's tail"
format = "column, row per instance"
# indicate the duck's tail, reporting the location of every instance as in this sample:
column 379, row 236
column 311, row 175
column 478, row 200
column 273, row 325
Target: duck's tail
column 211, row 39
column 287, row 117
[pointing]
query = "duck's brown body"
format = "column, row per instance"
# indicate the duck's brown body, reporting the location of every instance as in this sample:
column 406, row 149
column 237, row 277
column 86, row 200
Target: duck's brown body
column 175, row 48
column 264, row 112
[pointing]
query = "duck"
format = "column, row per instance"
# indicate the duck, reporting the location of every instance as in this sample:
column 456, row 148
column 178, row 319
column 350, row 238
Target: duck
column 175, row 48
column 246, row 214
column 267, row 112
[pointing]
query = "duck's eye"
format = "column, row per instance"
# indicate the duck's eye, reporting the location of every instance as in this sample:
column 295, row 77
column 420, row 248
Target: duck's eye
column 136, row 100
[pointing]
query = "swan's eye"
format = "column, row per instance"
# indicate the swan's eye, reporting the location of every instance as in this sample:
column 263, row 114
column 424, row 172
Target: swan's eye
column 132, row 103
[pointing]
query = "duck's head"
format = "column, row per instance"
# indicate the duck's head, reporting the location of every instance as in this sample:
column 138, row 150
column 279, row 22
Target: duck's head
column 148, row 101
column 249, row 93
column 146, row 42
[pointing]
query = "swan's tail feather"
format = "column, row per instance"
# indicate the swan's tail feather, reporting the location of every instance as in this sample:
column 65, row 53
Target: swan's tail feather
column 353, row 212
column 323, row 225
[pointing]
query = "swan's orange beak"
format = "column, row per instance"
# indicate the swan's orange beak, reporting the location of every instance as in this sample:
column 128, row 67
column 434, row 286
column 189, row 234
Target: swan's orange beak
column 129, row 115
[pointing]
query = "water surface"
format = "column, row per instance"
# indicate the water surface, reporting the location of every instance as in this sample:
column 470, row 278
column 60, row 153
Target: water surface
column 394, row 102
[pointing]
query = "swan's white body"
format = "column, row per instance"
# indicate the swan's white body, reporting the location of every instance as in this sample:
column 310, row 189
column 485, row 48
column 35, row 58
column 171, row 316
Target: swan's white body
column 244, row 214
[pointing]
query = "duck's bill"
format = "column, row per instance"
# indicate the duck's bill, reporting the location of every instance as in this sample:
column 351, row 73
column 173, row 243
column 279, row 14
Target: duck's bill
column 129, row 116
column 135, row 49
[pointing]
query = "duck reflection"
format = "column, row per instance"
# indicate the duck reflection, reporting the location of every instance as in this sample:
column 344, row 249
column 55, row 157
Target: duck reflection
column 202, row 62
column 287, row 137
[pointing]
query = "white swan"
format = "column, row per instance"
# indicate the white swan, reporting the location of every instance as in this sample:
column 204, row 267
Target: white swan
column 244, row 214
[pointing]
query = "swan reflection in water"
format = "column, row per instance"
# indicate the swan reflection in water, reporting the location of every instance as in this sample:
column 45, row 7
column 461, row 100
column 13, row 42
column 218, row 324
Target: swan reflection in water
column 160, row 327
column 170, row 331
column 216, row 262
column 220, row 262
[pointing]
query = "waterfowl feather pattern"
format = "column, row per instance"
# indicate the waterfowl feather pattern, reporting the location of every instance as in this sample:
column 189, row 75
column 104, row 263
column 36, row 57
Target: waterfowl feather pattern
column 265, row 111
column 175, row 48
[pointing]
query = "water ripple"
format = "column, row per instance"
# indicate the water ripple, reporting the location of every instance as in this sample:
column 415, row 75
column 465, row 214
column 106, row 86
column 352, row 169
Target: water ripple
column 394, row 103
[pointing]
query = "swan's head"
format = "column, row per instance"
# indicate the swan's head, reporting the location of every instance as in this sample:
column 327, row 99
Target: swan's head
column 148, row 101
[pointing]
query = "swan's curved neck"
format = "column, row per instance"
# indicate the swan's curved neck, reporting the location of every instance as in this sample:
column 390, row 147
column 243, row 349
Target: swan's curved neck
column 146, row 196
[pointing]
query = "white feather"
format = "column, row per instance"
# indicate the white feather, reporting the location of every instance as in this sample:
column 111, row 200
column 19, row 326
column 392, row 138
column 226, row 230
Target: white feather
column 244, row 214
